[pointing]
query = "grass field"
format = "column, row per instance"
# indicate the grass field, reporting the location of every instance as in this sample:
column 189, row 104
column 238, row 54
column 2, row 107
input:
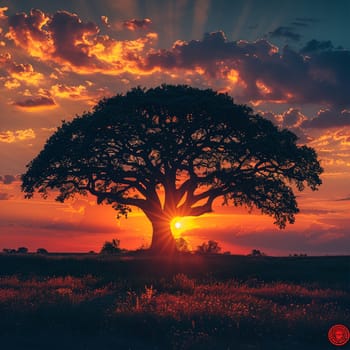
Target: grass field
column 189, row 302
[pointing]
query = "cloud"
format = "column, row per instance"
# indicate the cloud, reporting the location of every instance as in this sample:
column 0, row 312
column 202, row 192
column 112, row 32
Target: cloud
column 292, row 118
column 105, row 21
column 134, row 24
column 72, row 38
column 328, row 118
column 5, row 58
column 78, row 92
column 18, row 135
column 263, row 73
column 15, row 73
column 7, row 179
column 36, row 102
column 316, row 46
column 2, row 13
column 25, row 73
column 254, row 72
column 285, row 32
column 11, row 84
column 75, row 45
column 28, row 32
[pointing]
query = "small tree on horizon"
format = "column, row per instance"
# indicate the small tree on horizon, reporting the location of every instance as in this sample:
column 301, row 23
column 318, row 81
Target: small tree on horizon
column 41, row 251
column 171, row 151
column 210, row 247
column 22, row 250
column 111, row 247
column 182, row 245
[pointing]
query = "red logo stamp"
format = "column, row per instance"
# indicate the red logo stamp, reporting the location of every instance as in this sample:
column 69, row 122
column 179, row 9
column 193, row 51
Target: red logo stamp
column 339, row 335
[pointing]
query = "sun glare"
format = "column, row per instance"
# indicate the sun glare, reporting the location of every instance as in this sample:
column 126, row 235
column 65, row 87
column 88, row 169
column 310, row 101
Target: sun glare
column 178, row 225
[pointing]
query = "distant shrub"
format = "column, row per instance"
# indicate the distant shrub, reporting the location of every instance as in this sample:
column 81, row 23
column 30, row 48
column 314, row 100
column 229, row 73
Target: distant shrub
column 256, row 252
column 112, row 247
column 9, row 251
column 22, row 250
column 41, row 251
column 182, row 245
column 210, row 247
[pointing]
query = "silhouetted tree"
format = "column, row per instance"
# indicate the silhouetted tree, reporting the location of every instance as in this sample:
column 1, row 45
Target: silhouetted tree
column 182, row 245
column 22, row 250
column 112, row 247
column 256, row 252
column 41, row 251
column 9, row 251
column 171, row 151
column 212, row 247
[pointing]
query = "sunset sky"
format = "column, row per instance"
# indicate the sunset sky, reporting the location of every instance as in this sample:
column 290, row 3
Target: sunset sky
column 289, row 60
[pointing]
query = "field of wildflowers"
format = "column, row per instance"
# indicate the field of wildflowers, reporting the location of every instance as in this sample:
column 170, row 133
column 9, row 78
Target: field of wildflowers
column 172, row 310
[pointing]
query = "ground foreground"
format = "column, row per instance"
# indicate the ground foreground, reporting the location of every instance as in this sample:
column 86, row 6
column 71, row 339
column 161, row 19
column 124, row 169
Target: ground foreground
column 189, row 302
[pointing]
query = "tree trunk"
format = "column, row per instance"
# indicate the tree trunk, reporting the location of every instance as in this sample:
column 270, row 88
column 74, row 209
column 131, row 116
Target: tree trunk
column 163, row 242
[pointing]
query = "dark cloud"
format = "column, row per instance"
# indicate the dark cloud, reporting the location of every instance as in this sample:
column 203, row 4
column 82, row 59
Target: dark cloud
column 287, row 76
column 316, row 46
column 285, row 32
column 207, row 52
column 8, row 179
column 24, row 28
column 70, row 36
column 292, row 118
column 328, row 119
column 134, row 24
column 40, row 101
column 253, row 72
column 76, row 45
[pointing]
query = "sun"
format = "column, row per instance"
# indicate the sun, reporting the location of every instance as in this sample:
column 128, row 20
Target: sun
column 177, row 225
column 180, row 225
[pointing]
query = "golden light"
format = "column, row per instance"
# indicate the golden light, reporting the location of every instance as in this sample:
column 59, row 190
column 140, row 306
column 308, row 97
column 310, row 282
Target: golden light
column 264, row 89
column 233, row 76
column 177, row 225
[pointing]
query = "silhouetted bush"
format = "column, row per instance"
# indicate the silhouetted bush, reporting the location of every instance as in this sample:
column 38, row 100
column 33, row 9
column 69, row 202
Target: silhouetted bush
column 212, row 247
column 41, row 251
column 112, row 247
column 9, row 251
column 182, row 245
column 22, row 250
column 256, row 252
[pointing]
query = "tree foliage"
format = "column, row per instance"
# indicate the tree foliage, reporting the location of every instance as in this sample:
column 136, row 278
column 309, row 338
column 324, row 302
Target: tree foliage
column 171, row 151
column 182, row 245
column 111, row 247
column 210, row 247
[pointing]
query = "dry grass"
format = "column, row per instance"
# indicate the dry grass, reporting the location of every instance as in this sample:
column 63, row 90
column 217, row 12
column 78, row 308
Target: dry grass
column 176, row 311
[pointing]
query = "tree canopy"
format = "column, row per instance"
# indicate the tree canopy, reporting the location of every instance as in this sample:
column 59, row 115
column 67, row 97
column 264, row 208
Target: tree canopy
column 171, row 151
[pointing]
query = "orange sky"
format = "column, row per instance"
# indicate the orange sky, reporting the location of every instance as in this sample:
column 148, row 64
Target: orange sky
column 57, row 63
